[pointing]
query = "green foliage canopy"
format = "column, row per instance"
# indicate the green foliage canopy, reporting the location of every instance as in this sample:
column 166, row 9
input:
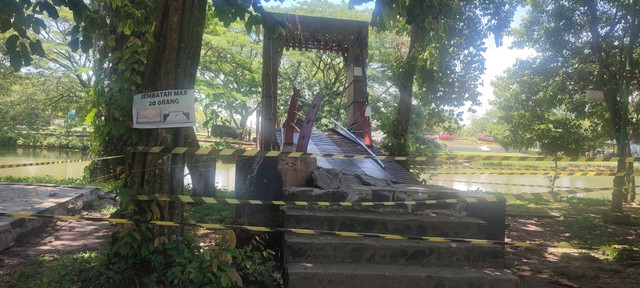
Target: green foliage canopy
column 230, row 73
column 580, row 46
column 443, row 56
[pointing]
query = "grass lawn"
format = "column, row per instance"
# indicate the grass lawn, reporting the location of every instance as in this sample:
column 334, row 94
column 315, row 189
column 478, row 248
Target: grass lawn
column 562, row 165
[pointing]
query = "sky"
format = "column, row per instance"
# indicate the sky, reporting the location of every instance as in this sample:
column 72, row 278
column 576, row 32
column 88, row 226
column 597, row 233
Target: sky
column 497, row 59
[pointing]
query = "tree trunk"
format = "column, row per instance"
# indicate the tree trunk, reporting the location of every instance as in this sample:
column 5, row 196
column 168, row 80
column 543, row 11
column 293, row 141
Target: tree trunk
column 405, row 87
column 172, row 63
column 614, row 106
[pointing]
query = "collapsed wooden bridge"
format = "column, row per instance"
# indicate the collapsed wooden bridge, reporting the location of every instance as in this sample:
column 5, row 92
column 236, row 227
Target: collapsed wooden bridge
column 334, row 261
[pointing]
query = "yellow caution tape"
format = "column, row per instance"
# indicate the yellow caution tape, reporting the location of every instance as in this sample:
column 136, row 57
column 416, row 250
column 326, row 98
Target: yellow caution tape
column 516, row 168
column 508, row 197
column 323, row 232
column 540, row 173
column 267, row 153
column 3, row 166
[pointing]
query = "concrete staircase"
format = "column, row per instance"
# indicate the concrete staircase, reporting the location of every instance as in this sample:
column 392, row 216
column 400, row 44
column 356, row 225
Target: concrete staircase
column 336, row 261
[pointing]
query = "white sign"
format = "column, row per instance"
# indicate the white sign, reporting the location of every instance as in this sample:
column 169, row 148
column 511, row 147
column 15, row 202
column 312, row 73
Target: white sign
column 357, row 71
column 164, row 109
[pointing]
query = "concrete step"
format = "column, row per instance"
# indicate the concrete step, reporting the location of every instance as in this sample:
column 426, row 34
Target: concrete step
column 337, row 249
column 401, row 224
column 368, row 193
column 316, row 275
column 373, row 193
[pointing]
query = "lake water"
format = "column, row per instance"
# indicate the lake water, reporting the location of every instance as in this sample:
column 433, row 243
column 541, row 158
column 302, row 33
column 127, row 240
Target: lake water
column 449, row 180
column 13, row 155
column 225, row 173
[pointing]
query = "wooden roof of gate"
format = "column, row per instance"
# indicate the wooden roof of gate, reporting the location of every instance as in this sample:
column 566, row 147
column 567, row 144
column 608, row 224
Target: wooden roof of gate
column 325, row 34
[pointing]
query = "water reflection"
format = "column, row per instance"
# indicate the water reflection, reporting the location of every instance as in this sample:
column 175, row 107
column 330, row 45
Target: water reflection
column 569, row 181
column 226, row 172
column 225, row 175
column 15, row 155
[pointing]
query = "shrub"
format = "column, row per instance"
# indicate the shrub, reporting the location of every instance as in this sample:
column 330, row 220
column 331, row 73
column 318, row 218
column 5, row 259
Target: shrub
column 183, row 263
column 55, row 271
column 7, row 140
column 447, row 137
column 485, row 138
column 39, row 140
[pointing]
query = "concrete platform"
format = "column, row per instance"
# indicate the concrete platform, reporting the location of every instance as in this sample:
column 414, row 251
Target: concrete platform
column 37, row 199
column 312, row 275
column 398, row 224
column 329, row 249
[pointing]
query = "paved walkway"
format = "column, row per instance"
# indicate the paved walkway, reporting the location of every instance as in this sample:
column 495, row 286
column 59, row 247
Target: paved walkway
column 37, row 198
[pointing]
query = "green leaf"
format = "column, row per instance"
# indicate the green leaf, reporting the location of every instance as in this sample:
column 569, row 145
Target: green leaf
column 111, row 40
column 5, row 24
column 21, row 31
column 18, row 23
column 156, row 211
column 36, row 48
column 12, row 43
column 50, row 9
column 15, row 59
column 75, row 30
column 250, row 22
column 77, row 13
column 36, row 28
column 74, row 44
column 128, row 28
column 26, row 55
column 233, row 274
column 224, row 266
column 86, row 43
column 91, row 116
column 195, row 276
column 150, row 37
column 28, row 21
column 115, row 56
column 231, row 251
column 225, row 280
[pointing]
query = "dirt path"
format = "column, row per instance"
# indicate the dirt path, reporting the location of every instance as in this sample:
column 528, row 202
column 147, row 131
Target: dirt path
column 542, row 267
column 58, row 238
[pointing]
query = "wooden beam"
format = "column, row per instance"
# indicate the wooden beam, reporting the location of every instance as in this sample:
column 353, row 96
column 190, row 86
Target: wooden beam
column 291, row 117
column 305, row 133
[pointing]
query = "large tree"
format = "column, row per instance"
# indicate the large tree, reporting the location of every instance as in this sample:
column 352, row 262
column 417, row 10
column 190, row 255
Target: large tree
column 143, row 46
column 57, row 82
column 444, row 54
column 32, row 100
column 59, row 56
column 229, row 74
column 542, row 106
column 580, row 46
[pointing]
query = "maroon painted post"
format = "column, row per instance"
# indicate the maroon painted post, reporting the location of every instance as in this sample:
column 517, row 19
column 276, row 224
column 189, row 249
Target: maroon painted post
column 364, row 123
column 291, row 117
column 305, row 132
